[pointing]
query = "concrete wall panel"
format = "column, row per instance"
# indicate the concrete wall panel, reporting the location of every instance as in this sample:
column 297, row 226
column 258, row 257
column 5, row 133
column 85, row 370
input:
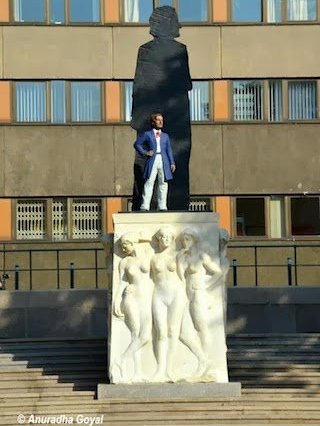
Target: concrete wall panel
column 206, row 175
column 271, row 159
column 203, row 45
column 124, row 138
column 270, row 51
column 47, row 161
column 51, row 52
column 126, row 42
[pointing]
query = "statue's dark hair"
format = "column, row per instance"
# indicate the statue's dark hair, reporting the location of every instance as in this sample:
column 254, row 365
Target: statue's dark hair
column 164, row 22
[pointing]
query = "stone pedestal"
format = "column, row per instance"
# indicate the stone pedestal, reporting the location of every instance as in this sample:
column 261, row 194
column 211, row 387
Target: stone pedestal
column 168, row 299
column 171, row 391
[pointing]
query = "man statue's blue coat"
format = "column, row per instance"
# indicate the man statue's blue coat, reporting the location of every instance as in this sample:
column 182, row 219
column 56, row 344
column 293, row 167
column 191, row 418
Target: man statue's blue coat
column 147, row 142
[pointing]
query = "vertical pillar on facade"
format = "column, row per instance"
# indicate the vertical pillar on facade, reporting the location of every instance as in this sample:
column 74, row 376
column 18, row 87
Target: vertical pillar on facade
column 6, row 220
column 113, row 205
column 111, row 11
column 4, row 11
column 5, row 101
column 112, row 101
column 223, row 207
column 221, row 100
column 219, row 10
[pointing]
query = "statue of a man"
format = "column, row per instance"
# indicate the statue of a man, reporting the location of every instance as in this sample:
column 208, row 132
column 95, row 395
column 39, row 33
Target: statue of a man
column 155, row 146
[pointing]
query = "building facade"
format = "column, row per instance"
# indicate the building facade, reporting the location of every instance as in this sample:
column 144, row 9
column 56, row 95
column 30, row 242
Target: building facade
column 66, row 156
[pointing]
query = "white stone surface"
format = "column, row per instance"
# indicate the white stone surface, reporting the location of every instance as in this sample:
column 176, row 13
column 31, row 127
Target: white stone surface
column 168, row 299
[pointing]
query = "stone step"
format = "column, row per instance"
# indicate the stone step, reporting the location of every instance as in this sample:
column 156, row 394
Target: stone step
column 274, row 350
column 289, row 372
column 209, row 414
column 25, row 367
column 12, row 420
column 53, row 375
column 278, row 365
column 45, row 381
column 54, row 397
column 266, row 344
column 26, row 387
column 255, row 355
column 56, row 346
column 54, row 354
column 59, row 406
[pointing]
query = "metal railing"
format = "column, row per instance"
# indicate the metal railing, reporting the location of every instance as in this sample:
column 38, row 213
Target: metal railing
column 291, row 263
column 68, row 270
column 14, row 273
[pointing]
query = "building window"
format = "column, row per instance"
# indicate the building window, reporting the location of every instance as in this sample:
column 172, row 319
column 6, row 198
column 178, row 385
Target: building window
column 188, row 11
column 305, row 216
column 86, row 219
column 277, row 216
column 128, row 90
column 301, row 10
column 31, row 220
column 49, row 219
column 58, row 102
column 274, row 10
column 198, row 96
column 59, row 219
column 248, row 100
column 302, row 100
column 137, row 10
column 54, row 11
column 199, row 101
column 275, row 100
column 84, row 103
column 29, row 11
column 31, row 101
column 193, row 11
column 250, row 217
column 84, row 10
column 246, row 10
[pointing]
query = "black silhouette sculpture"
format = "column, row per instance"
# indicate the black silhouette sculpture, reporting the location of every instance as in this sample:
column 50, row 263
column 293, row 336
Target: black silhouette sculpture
column 161, row 84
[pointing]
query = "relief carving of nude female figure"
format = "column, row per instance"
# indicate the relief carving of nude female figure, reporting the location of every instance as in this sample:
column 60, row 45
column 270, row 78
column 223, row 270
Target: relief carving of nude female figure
column 200, row 272
column 133, row 302
column 171, row 316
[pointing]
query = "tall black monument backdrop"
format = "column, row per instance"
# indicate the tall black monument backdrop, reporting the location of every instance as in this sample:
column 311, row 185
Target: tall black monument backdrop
column 161, row 84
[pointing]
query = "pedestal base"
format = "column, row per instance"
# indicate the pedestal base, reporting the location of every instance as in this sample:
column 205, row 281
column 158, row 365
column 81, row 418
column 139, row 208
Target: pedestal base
column 169, row 391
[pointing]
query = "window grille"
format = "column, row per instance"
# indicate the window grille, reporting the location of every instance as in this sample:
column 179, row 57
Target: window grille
column 248, row 100
column 86, row 219
column 302, row 100
column 199, row 205
column 31, row 220
column 275, row 100
column 59, row 220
